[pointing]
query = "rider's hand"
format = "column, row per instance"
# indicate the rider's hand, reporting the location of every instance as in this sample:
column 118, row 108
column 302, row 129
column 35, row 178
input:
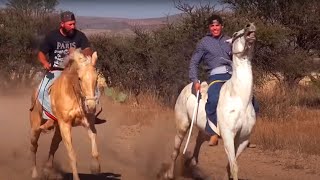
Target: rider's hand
column 47, row 66
column 196, row 86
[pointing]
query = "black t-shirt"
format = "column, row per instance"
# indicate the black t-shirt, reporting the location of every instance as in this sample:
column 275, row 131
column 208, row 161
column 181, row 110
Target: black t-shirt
column 57, row 45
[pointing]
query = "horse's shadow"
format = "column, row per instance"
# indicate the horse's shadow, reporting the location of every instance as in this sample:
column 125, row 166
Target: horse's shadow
column 101, row 176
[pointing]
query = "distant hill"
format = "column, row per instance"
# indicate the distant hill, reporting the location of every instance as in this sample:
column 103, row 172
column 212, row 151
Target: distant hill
column 93, row 25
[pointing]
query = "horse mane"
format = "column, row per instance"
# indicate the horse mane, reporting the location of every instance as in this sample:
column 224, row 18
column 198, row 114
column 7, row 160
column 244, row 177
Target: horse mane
column 71, row 63
column 75, row 57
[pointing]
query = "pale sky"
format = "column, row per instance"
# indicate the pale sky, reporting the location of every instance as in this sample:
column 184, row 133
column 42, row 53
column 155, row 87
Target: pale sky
column 120, row 8
column 133, row 9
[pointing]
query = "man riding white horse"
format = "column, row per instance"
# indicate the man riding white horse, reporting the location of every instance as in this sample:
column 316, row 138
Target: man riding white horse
column 216, row 52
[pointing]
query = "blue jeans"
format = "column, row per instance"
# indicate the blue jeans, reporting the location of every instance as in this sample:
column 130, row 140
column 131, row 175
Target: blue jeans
column 213, row 97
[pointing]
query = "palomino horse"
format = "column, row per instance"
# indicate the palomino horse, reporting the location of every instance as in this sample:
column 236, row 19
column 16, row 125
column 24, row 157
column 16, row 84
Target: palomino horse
column 235, row 112
column 73, row 103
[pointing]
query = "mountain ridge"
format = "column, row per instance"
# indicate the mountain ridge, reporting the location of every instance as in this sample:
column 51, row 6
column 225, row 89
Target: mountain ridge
column 93, row 25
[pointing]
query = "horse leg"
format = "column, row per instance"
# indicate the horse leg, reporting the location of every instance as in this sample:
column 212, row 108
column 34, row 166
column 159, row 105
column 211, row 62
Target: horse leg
column 241, row 143
column 35, row 121
column 35, row 134
column 241, row 146
column 65, row 130
column 56, row 139
column 193, row 162
column 182, row 128
column 200, row 139
column 228, row 139
column 95, row 165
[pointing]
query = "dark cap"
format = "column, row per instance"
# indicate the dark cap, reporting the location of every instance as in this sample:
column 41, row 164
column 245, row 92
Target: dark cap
column 215, row 18
column 67, row 16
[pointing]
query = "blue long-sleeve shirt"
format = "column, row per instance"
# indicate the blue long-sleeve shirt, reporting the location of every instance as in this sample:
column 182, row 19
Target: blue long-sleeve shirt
column 215, row 52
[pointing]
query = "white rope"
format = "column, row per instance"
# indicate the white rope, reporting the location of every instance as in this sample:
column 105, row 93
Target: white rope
column 193, row 117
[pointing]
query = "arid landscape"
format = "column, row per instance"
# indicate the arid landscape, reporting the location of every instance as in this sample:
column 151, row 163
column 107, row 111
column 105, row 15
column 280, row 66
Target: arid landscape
column 135, row 143
column 120, row 26
column 144, row 68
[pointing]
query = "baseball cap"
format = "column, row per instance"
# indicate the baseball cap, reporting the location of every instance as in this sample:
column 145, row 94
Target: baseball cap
column 67, row 16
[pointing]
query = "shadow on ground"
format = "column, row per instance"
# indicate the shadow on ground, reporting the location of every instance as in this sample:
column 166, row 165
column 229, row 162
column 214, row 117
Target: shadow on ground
column 101, row 176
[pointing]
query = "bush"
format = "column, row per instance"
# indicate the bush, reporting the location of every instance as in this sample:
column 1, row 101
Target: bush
column 20, row 34
column 154, row 61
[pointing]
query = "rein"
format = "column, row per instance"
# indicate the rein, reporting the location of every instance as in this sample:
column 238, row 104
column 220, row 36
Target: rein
column 80, row 93
column 237, row 37
column 86, row 98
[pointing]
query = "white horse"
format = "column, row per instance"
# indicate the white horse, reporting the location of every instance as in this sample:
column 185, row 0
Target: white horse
column 235, row 112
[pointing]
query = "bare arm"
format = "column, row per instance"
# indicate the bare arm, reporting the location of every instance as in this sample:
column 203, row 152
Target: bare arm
column 43, row 60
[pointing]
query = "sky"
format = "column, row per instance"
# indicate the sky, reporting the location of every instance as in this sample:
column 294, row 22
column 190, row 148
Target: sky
column 133, row 9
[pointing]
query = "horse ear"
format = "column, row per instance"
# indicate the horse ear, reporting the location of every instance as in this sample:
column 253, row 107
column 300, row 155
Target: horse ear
column 94, row 58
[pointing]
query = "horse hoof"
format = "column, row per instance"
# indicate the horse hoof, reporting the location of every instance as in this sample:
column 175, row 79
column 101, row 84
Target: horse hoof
column 250, row 145
column 46, row 172
column 95, row 167
column 168, row 176
column 34, row 173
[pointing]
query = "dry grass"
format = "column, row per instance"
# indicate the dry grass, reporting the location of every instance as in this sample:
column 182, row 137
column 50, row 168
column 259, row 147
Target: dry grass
column 143, row 109
column 299, row 135
column 289, row 119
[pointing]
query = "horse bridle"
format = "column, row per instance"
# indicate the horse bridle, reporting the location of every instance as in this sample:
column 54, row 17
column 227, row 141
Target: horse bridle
column 86, row 98
column 239, row 36
column 83, row 97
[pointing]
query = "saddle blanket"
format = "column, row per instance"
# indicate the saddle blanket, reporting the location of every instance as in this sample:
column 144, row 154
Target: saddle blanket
column 212, row 128
column 44, row 94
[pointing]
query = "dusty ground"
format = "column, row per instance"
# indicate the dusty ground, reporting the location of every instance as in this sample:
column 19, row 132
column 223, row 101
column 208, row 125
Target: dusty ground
column 134, row 144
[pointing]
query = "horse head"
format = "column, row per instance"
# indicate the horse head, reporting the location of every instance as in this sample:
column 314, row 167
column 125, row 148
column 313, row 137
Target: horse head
column 243, row 41
column 87, row 77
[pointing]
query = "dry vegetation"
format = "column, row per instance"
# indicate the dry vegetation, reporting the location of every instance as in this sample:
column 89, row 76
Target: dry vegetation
column 156, row 63
column 289, row 119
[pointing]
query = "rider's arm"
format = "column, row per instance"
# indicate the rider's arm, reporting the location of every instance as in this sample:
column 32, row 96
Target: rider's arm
column 45, row 48
column 43, row 60
column 195, row 61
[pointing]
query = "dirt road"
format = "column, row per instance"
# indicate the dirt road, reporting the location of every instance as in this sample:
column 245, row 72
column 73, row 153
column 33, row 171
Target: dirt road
column 134, row 144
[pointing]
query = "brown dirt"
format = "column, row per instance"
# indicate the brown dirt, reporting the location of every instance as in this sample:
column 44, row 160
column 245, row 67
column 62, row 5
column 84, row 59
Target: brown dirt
column 133, row 144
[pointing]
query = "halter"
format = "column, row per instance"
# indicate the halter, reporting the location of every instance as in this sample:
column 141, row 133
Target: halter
column 239, row 36
column 83, row 97
column 236, row 37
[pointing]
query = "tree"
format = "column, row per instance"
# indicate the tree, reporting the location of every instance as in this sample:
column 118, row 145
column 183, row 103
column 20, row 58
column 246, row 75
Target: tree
column 290, row 37
column 32, row 7
column 22, row 23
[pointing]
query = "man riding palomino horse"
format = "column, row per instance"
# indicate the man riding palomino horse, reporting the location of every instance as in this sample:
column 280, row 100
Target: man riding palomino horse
column 216, row 52
column 67, row 95
column 57, row 44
